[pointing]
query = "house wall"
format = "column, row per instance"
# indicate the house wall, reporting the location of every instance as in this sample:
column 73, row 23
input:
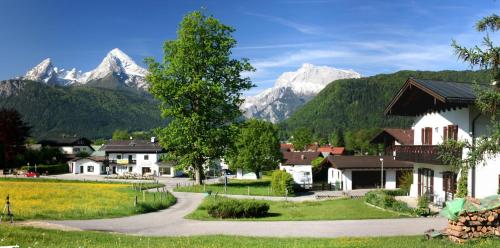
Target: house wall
column 439, row 194
column 346, row 177
column 86, row 163
column 71, row 149
column 438, row 121
column 302, row 174
column 141, row 162
column 243, row 174
column 487, row 174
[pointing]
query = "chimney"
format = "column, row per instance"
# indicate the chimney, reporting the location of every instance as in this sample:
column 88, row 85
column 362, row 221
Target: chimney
column 153, row 139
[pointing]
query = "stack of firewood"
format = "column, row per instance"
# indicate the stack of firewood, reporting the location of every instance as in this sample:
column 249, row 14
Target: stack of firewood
column 471, row 225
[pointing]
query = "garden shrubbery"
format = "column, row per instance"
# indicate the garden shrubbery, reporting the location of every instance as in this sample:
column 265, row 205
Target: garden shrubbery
column 385, row 199
column 51, row 169
column 282, row 182
column 222, row 207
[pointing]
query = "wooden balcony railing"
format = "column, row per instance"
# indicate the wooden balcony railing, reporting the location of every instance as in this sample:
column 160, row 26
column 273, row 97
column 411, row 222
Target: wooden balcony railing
column 421, row 154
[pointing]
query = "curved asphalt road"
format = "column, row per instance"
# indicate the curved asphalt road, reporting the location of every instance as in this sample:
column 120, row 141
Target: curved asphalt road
column 170, row 222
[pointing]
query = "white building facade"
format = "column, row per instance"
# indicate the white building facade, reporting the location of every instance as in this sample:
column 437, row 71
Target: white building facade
column 137, row 157
column 442, row 111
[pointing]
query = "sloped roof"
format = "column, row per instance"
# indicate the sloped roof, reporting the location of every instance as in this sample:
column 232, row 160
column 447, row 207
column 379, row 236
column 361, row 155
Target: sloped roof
column 286, row 147
column 131, row 146
column 419, row 96
column 332, row 150
column 367, row 162
column 70, row 141
column 300, row 158
column 403, row 136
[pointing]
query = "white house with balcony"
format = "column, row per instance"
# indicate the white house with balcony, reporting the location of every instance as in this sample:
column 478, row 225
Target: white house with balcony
column 137, row 157
column 442, row 110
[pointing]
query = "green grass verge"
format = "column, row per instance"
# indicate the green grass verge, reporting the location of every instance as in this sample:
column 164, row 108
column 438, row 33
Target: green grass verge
column 60, row 199
column 339, row 209
column 260, row 187
column 33, row 237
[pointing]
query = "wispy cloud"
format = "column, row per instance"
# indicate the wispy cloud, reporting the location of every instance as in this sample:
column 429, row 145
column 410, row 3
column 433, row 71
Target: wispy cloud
column 303, row 28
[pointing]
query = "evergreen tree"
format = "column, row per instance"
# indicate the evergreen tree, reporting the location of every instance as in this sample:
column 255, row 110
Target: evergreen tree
column 13, row 134
column 199, row 86
column 487, row 100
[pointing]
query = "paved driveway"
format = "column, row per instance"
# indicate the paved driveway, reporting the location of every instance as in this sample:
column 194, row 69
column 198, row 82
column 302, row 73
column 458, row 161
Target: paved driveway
column 170, row 222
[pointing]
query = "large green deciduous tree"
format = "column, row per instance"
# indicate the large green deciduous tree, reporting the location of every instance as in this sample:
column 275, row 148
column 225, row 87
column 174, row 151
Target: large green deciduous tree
column 487, row 100
column 199, row 86
column 256, row 148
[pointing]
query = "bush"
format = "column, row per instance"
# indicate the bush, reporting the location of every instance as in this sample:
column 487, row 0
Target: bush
column 50, row 169
column 384, row 199
column 222, row 207
column 396, row 192
column 281, row 182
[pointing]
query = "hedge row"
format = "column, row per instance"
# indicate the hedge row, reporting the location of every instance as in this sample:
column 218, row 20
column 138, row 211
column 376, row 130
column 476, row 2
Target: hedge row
column 222, row 207
column 50, row 169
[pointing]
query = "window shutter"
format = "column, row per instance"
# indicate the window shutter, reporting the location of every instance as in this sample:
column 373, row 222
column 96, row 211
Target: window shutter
column 423, row 136
column 455, row 132
column 429, row 141
column 445, row 133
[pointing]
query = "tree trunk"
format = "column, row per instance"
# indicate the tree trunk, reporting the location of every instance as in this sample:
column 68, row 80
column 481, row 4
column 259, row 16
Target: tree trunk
column 257, row 174
column 198, row 170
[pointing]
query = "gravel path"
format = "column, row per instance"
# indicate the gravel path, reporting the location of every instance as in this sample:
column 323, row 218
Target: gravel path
column 170, row 222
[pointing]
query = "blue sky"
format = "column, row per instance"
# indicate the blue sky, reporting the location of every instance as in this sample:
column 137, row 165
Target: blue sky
column 368, row 36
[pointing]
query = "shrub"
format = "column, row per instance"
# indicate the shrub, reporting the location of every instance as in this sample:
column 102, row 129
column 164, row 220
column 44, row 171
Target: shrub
column 396, row 192
column 423, row 202
column 281, row 182
column 222, row 207
column 384, row 199
column 50, row 169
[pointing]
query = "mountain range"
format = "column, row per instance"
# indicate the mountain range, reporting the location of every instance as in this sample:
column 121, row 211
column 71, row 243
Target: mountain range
column 291, row 91
column 116, row 65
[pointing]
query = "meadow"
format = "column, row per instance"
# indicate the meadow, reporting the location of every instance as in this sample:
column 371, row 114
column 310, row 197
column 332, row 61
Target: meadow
column 261, row 187
column 57, row 200
column 32, row 237
column 338, row 209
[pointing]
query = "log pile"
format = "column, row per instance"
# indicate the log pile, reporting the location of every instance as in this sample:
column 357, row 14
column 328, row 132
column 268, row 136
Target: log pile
column 470, row 225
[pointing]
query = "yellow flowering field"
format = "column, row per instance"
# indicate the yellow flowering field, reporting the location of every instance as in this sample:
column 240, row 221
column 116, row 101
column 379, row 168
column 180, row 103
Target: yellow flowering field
column 38, row 199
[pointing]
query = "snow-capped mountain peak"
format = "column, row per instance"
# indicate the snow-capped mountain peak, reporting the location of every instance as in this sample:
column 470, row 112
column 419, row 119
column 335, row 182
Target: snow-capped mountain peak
column 292, row 90
column 44, row 71
column 116, row 63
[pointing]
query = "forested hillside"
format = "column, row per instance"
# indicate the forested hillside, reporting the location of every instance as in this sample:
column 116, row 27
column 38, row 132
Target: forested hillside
column 83, row 111
column 355, row 104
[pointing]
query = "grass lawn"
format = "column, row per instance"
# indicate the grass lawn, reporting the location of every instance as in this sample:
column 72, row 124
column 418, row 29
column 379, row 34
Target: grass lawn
column 32, row 237
column 340, row 209
column 261, row 187
column 59, row 199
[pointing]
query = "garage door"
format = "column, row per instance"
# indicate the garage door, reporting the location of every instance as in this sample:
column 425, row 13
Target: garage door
column 366, row 179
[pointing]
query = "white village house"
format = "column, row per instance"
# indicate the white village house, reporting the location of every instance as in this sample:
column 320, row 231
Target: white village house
column 442, row 110
column 134, row 157
column 69, row 146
